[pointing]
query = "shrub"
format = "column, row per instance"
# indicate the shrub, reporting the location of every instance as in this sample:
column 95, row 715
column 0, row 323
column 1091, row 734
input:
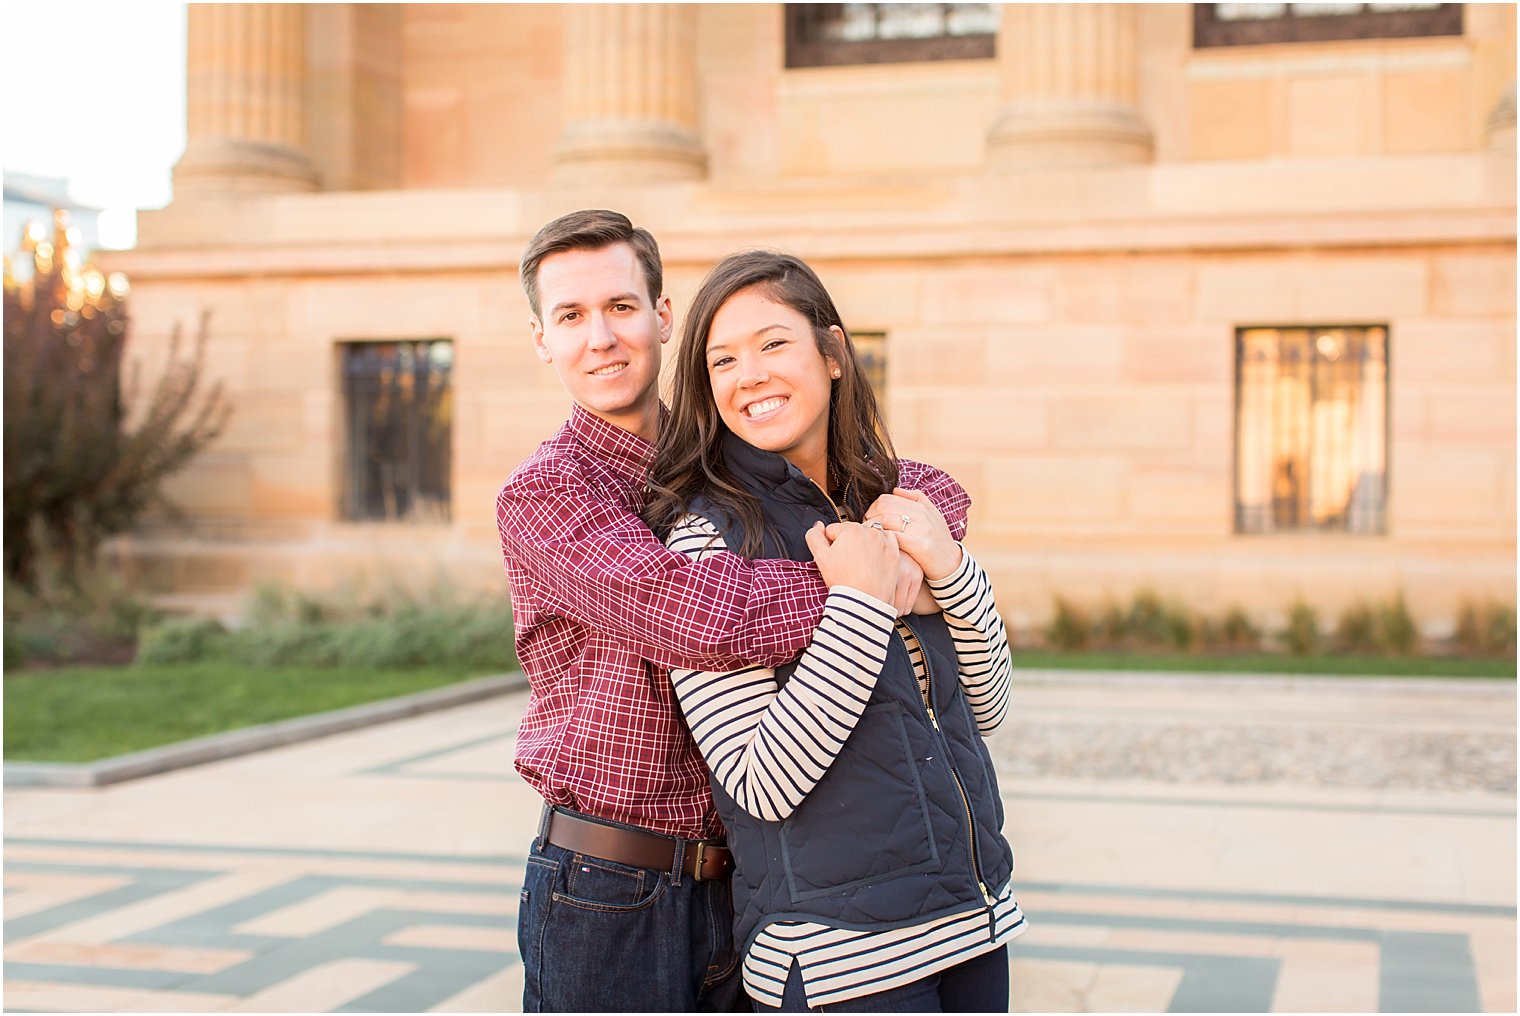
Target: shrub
column 1068, row 627
column 1148, row 622
column 1357, row 630
column 1396, row 631
column 1301, row 637
column 1110, row 626
column 1210, row 634
column 182, row 640
column 291, row 629
column 1486, row 629
column 94, row 621
column 1238, row 632
column 1181, row 629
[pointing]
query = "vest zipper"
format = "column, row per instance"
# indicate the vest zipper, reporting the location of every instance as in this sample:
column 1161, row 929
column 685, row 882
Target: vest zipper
column 960, row 788
column 837, row 513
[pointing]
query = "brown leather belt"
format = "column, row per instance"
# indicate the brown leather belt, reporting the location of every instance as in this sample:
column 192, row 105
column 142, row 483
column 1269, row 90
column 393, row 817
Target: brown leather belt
column 705, row 859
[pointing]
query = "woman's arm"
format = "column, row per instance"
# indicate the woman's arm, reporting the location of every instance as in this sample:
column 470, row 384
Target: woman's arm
column 769, row 746
column 981, row 641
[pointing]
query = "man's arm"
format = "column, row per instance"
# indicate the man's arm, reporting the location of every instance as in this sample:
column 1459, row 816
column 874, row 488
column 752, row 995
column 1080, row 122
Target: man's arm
column 717, row 614
column 611, row 573
column 948, row 496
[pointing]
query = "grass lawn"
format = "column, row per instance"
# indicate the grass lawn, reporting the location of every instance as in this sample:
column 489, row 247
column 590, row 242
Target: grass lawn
column 1266, row 663
column 90, row 713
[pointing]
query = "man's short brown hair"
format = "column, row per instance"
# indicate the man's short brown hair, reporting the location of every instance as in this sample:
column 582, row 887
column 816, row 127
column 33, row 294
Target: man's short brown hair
column 590, row 229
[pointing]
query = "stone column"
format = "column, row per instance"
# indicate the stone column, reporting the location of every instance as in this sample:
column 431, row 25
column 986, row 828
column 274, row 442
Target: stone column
column 1069, row 77
column 630, row 95
column 246, row 97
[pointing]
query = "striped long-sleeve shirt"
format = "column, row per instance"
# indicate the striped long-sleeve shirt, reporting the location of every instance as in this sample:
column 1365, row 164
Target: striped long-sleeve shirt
column 769, row 746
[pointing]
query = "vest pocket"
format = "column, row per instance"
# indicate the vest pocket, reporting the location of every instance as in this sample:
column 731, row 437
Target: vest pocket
column 867, row 820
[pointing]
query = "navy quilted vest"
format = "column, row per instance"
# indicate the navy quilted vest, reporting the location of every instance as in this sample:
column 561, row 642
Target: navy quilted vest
column 906, row 825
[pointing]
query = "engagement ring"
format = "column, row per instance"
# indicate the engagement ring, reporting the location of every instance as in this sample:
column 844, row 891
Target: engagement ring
column 907, row 520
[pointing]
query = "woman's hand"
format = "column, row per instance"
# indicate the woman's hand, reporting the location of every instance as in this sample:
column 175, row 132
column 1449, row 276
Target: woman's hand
column 861, row 557
column 920, row 530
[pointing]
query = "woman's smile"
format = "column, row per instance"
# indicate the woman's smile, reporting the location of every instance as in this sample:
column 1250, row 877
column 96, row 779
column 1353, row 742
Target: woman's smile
column 757, row 412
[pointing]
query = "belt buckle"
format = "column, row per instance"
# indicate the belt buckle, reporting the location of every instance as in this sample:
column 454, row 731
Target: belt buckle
column 699, row 850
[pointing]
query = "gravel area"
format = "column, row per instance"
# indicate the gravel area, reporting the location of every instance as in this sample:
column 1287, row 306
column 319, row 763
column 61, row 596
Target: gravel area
column 1267, row 753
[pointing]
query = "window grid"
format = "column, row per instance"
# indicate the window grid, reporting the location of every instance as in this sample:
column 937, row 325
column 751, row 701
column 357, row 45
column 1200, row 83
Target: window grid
column 1266, row 23
column 398, row 406
column 1311, row 429
column 822, row 35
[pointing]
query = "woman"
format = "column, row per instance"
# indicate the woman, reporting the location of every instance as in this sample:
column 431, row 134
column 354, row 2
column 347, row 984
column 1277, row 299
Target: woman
column 871, row 873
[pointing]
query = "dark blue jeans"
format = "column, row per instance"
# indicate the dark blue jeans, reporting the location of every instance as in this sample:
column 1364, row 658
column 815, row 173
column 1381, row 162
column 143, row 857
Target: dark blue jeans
column 978, row 985
column 597, row 936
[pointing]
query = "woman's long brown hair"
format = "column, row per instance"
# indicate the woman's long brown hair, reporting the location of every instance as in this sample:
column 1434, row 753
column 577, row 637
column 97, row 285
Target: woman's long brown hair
column 689, row 460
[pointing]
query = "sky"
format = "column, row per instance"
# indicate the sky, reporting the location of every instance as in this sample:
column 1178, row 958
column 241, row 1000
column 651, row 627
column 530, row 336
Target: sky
column 95, row 93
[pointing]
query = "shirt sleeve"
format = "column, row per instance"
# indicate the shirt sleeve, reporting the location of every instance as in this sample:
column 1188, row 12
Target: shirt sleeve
column 981, row 641
column 942, row 490
column 609, row 572
column 769, row 746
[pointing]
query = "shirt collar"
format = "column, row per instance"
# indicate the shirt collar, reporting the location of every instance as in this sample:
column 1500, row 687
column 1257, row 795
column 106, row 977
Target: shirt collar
column 626, row 452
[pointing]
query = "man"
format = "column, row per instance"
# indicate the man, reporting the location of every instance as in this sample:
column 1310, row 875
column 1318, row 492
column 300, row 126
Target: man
column 625, row 904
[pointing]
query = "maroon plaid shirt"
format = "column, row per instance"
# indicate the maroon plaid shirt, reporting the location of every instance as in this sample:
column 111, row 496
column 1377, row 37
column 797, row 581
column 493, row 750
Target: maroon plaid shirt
column 601, row 607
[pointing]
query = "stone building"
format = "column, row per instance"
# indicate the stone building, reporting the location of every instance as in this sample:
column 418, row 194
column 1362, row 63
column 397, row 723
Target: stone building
column 1216, row 299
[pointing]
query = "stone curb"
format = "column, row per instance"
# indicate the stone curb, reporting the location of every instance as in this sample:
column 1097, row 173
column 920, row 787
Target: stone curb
column 1493, row 687
column 246, row 740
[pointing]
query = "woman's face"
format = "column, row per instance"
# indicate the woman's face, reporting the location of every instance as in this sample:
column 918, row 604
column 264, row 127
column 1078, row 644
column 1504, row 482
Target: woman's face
column 769, row 381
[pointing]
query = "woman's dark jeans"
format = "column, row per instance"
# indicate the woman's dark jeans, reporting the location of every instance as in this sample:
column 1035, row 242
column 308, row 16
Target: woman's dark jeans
column 978, row 985
column 597, row 936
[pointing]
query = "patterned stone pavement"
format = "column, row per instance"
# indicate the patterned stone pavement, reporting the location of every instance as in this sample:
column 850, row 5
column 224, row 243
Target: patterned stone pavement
column 1194, row 845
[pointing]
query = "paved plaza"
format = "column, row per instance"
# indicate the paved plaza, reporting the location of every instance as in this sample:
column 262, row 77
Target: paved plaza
column 1184, row 844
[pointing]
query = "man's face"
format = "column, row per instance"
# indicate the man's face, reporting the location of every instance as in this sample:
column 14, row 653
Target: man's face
column 601, row 332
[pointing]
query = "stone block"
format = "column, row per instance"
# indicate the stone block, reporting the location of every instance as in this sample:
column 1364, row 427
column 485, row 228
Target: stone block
column 1038, row 492
column 1474, row 415
column 1318, row 290
column 1427, row 110
column 1247, row 290
column 1180, row 500
column 1230, row 118
column 874, row 298
column 218, row 483
column 1213, row 426
column 1330, row 114
column 1408, row 417
column 990, row 419
column 1201, row 354
column 936, row 357
column 1126, row 421
column 1474, row 285
column 1354, row 290
column 294, row 485
column 989, row 294
column 1449, row 492
column 911, row 116
column 1123, row 290
column 1056, row 355
column 265, row 422
column 387, row 309
column 1452, row 350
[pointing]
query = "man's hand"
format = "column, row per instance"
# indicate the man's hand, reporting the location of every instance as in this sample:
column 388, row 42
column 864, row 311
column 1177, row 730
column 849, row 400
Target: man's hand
column 920, row 530
column 861, row 557
column 913, row 596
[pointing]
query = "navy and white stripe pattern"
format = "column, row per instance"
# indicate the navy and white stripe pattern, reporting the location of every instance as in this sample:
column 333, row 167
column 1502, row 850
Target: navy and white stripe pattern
column 769, row 746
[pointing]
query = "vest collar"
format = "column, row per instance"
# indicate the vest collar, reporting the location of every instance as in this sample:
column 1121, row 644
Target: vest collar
column 770, row 474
